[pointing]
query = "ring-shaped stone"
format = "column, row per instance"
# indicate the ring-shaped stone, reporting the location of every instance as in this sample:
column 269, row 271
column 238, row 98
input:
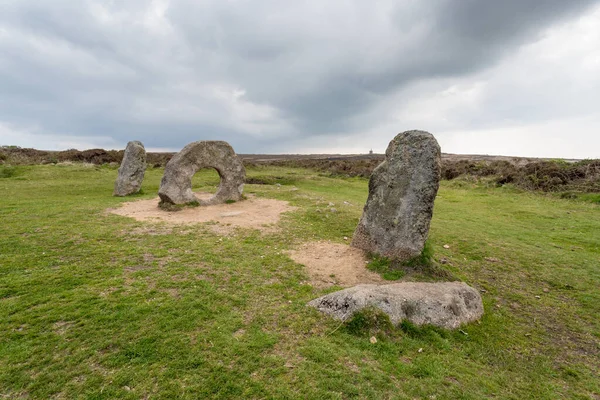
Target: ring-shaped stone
column 176, row 184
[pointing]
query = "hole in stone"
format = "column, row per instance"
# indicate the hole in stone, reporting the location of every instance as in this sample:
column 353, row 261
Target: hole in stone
column 206, row 181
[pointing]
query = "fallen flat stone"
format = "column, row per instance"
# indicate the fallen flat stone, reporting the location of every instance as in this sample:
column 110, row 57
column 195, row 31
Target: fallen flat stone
column 132, row 169
column 176, row 183
column 444, row 304
column 402, row 189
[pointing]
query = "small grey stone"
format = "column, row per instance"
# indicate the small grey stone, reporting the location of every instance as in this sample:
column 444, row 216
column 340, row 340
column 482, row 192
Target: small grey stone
column 176, row 183
column 132, row 169
column 444, row 304
column 402, row 189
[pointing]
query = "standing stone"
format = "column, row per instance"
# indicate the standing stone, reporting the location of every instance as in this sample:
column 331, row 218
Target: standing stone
column 176, row 184
column 132, row 169
column 396, row 217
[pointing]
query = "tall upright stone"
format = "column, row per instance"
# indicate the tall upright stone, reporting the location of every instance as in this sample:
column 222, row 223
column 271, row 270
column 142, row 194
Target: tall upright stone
column 402, row 189
column 176, row 184
column 132, row 169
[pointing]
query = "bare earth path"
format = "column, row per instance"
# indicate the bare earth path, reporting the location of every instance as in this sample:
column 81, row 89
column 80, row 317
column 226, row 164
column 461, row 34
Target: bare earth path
column 255, row 213
column 331, row 264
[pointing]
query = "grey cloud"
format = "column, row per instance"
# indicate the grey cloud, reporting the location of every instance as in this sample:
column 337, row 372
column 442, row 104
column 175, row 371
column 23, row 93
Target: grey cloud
column 319, row 65
column 494, row 21
column 453, row 39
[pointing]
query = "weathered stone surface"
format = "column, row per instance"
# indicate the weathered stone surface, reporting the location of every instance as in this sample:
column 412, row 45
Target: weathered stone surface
column 176, row 184
column 132, row 169
column 444, row 304
column 396, row 217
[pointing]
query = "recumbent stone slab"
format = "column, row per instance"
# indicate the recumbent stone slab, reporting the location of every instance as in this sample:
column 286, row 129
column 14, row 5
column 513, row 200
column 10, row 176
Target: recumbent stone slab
column 444, row 304
column 402, row 189
column 176, row 183
column 132, row 169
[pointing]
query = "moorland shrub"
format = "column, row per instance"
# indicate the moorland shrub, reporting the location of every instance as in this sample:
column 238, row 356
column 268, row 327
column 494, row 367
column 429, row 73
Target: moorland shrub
column 555, row 176
column 340, row 167
column 547, row 175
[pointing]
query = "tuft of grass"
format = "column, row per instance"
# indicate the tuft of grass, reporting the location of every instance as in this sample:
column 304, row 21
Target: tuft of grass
column 383, row 266
column 423, row 266
column 8, row 171
column 586, row 197
column 423, row 260
column 369, row 321
column 425, row 331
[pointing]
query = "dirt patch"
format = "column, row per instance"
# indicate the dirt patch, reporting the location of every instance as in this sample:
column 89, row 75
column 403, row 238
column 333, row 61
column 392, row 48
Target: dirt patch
column 255, row 213
column 331, row 264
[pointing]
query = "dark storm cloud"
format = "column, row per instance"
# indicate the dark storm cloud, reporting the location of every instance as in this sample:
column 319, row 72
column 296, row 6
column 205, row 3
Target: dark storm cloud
column 273, row 56
column 246, row 72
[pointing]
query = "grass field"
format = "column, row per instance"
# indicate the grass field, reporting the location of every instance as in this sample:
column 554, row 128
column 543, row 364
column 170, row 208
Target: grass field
column 98, row 306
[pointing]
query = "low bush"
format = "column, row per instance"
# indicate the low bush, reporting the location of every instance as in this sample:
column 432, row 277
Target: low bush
column 548, row 175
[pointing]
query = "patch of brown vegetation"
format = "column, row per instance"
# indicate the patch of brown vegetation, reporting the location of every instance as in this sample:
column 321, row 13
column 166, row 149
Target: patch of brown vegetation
column 239, row 333
column 525, row 172
column 146, row 230
column 331, row 264
column 136, row 268
column 173, row 292
column 254, row 213
column 108, row 291
column 61, row 327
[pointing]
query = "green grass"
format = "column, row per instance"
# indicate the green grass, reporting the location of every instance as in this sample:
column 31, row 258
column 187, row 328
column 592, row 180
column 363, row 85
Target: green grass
column 423, row 260
column 9, row 171
column 98, row 306
column 383, row 266
column 420, row 268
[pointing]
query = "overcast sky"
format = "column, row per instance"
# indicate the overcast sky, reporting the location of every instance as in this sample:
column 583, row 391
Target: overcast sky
column 511, row 77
